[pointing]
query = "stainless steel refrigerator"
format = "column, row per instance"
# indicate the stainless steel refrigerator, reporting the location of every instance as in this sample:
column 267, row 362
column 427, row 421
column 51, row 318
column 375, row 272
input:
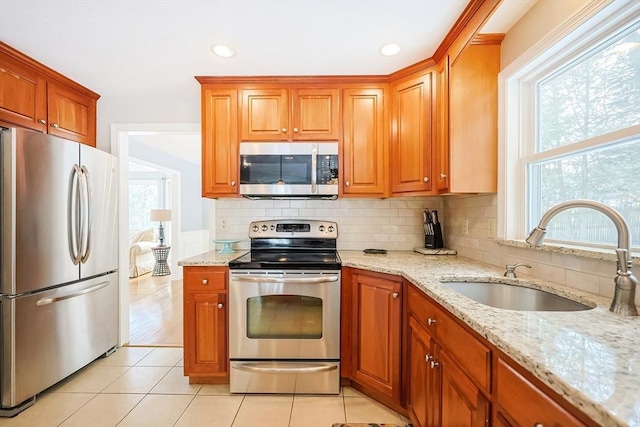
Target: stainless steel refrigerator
column 59, row 258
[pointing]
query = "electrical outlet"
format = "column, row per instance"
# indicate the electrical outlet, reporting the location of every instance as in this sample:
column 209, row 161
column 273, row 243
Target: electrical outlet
column 465, row 226
column 224, row 225
column 491, row 228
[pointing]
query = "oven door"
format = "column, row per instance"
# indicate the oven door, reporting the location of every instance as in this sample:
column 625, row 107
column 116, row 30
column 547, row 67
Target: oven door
column 284, row 315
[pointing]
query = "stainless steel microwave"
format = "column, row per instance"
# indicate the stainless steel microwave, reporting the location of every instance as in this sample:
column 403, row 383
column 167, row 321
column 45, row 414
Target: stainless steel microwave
column 289, row 169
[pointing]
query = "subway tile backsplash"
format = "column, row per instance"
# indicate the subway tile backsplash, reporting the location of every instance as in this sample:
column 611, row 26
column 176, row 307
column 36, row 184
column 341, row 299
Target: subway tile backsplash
column 392, row 224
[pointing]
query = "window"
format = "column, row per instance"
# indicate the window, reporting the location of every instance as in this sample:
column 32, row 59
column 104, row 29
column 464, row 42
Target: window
column 579, row 132
column 147, row 190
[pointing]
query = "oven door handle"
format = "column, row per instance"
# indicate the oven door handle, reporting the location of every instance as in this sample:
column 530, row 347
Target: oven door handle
column 293, row 280
column 285, row 368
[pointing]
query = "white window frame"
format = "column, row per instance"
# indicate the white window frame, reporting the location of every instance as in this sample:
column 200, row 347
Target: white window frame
column 517, row 128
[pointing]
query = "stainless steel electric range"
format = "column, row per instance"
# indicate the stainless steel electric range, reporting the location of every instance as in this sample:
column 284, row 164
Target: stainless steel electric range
column 284, row 309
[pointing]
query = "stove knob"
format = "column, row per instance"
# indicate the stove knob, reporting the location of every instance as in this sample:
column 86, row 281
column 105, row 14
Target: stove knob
column 264, row 227
column 255, row 228
column 273, row 227
column 321, row 228
column 331, row 228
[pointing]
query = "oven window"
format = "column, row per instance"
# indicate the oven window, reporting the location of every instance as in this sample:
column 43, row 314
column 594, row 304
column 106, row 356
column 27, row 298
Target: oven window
column 284, row 317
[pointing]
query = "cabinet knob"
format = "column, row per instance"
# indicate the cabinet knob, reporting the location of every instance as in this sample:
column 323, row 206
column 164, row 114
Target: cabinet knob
column 434, row 364
column 55, row 125
column 205, row 282
column 425, row 179
column 346, row 183
column 295, row 130
column 43, row 121
column 443, row 175
column 427, row 357
column 284, row 130
column 394, row 295
column 220, row 305
column 431, row 321
column 233, row 183
column 538, row 425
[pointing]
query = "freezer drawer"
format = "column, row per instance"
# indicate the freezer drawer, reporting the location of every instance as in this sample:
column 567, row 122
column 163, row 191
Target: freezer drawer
column 49, row 335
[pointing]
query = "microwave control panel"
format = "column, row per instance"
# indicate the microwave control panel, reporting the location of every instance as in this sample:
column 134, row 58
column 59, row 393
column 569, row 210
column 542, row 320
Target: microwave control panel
column 327, row 169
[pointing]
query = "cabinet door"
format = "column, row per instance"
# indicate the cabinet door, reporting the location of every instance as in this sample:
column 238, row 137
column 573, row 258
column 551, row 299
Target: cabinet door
column 23, row 94
column 364, row 152
column 72, row 115
column 265, row 115
column 441, row 151
column 411, row 136
column 462, row 404
column 473, row 131
column 315, row 114
column 423, row 399
column 220, row 155
column 376, row 333
column 205, row 335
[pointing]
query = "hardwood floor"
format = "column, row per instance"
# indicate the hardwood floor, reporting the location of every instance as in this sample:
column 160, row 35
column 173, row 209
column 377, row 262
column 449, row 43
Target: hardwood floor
column 155, row 311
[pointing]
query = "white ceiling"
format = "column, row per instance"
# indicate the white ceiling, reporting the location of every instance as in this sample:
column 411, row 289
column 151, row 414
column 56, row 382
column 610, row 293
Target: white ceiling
column 132, row 49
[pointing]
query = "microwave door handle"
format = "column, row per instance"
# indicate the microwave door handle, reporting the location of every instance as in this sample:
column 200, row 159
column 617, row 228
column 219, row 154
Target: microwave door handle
column 314, row 168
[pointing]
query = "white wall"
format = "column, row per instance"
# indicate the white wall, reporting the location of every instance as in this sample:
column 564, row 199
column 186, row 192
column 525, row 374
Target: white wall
column 392, row 224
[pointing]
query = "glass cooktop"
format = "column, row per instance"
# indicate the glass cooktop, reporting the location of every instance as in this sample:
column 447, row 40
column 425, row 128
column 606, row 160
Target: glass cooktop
column 291, row 260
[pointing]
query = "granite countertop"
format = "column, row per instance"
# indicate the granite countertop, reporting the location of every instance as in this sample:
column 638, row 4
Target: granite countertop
column 590, row 357
column 211, row 258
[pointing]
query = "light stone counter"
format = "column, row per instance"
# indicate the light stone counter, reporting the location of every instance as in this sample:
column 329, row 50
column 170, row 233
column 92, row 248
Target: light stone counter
column 211, row 258
column 590, row 357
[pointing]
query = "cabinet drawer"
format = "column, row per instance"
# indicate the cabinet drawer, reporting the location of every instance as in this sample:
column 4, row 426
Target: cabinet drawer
column 526, row 404
column 421, row 308
column 472, row 356
column 203, row 279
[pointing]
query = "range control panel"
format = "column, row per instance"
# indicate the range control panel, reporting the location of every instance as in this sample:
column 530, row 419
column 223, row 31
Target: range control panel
column 293, row 228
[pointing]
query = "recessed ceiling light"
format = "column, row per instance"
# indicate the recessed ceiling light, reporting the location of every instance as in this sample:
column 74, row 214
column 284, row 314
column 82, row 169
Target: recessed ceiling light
column 222, row 50
column 389, row 49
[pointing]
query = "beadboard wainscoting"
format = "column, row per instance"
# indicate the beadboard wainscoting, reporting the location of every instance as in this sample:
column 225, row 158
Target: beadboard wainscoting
column 392, row 224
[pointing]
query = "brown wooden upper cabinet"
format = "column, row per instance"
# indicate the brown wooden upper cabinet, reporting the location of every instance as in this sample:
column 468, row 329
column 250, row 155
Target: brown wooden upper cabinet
column 471, row 143
column 364, row 145
column 290, row 114
column 36, row 97
column 219, row 142
column 411, row 135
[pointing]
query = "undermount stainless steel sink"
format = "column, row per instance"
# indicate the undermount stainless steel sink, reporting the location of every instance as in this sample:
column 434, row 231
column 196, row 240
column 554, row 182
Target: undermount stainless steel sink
column 514, row 297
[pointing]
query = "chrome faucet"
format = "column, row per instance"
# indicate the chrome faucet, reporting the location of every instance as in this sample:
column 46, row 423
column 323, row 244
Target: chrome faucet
column 625, row 281
column 511, row 269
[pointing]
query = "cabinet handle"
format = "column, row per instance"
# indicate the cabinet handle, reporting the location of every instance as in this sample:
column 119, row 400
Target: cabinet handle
column 443, row 175
column 427, row 357
column 43, row 121
column 394, row 295
column 346, row 183
column 431, row 321
column 55, row 125
column 205, row 282
column 434, row 364
column 425, row 179
column 220, row 305
column 233, row 183
column 295, row 130
column 284, row 130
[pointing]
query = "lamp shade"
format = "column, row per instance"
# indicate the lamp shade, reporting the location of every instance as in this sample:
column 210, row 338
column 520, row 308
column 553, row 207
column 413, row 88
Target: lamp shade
column 160, row 215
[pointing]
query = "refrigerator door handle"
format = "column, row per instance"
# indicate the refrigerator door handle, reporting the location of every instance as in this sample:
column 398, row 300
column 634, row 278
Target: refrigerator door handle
column 72, row 215
column 86, row 216
column 51, row 300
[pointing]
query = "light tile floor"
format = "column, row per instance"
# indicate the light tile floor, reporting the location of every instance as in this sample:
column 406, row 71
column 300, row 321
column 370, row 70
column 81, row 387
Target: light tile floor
column 144, row 386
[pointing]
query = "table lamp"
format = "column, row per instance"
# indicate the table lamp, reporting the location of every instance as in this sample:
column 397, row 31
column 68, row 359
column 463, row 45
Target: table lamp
column 161, row 215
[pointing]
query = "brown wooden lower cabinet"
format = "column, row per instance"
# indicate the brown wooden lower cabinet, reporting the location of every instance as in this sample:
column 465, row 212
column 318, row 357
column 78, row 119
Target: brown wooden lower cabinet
column 376, row 326
column 205, row 324
column 521, row 403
